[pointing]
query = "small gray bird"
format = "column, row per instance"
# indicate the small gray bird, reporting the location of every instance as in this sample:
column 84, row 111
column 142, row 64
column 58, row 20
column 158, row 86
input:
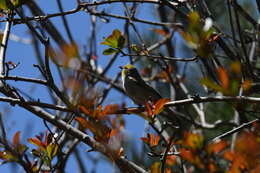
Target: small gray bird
column 140, row 92
column 136, row 88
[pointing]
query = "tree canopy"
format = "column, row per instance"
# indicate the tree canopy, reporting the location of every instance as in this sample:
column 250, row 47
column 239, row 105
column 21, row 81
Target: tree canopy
column 201, row 56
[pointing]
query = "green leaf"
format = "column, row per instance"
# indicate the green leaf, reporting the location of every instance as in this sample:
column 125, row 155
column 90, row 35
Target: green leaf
column 9, row 4
column 8, row 156
column 112, row 40
column 234, row 88
column 3, row 5
column 109, row 51
column 135, row 48
column 211, row 84
column 52, row 150
column 121, row 41
column 116, row 41
column 194, row 22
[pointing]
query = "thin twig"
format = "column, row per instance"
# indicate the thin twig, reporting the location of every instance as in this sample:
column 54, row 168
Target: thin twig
column 4, row 43
column 163, row 57
column 244, row 125
column 213, row 99
column 3, row 132
column 24, row 79
column 65, row 22
column 14, row 101
column 245, row 14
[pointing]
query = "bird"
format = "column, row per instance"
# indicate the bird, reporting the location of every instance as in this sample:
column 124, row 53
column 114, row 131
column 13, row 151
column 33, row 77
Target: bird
column 141, row 93
column 136, row 88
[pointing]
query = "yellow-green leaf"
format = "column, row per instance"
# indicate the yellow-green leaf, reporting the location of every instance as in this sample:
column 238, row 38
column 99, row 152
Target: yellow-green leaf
column 9, row 4
column 52, row 150
column 211, row 84
column 116, row 40
column 109, row 51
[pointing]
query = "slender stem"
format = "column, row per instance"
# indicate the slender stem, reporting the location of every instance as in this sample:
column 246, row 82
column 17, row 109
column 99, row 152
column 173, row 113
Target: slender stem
column 4, row 43
column 244, row 125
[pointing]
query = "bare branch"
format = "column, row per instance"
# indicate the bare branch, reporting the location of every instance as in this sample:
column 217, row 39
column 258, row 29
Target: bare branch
column 237, row 129
column 4, row 43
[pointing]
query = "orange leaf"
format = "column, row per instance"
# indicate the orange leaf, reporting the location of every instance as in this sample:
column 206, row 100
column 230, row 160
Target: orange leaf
column 193, row 140
column 155, row 168
column 238, row 164
column 236, row 67
column 247, row 143
column 2, row 155
column 228, row 155
column 109, row 109
column 70, row 50
column 101, row 132
column 149, row 109
column 151, row 140
column 161, row 32
column 248, row 147
column 191, row 157
column 16, row 138
column 214, row 37
column 114, row 132
column 186, row 154
column 217, row 147
column 146, row 140
column 171, row 160
column 158, row 107
column 247, row 84
column 98, row 112
column 212, row 167
column 37, row 143
column 84, row 123
column 168, row 170
column 84, row 110
column 154, row 140
column 223, row 77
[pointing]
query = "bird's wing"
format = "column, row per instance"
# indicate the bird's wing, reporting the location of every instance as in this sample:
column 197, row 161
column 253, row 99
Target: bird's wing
column 156, row 96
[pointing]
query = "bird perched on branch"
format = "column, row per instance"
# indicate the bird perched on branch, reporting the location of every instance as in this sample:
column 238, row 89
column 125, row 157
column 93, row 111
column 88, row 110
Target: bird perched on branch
column 141, row 93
